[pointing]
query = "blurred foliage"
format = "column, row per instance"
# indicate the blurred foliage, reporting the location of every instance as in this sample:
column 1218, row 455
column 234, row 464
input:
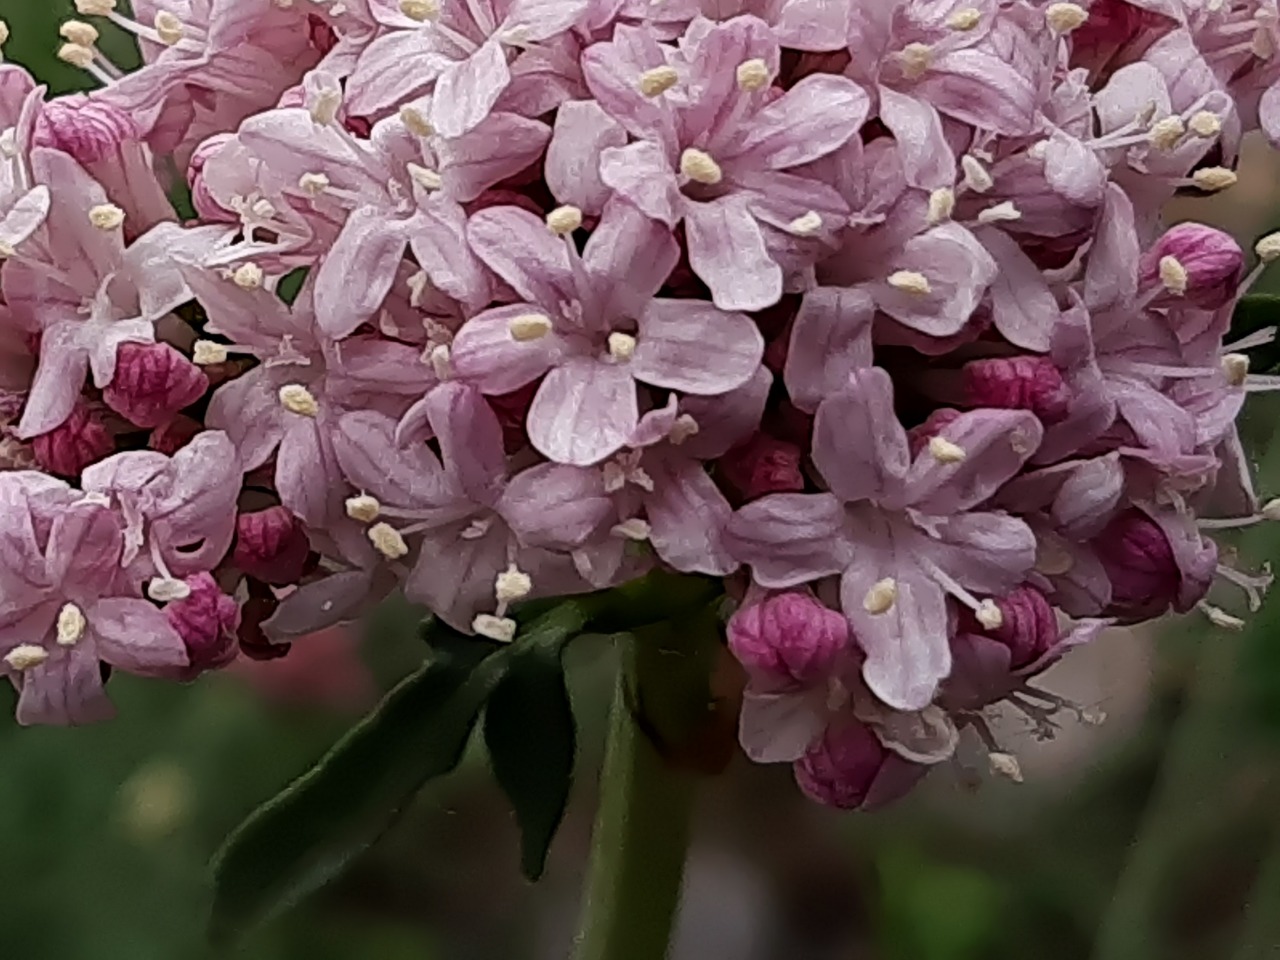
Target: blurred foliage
column 34, row 42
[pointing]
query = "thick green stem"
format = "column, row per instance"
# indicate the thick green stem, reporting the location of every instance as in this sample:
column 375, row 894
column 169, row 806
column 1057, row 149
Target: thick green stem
column 642, row 826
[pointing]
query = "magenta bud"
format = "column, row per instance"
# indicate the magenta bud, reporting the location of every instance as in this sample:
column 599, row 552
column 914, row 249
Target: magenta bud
column 169, row 438
column 1148, row 575
column 1029, row 627
column 850, row 769
column 207, row 620
column 1205, row 269
column 152, row 382
column 788, row 637
column 918, row 437
column 271, row 546
column 761, row 465
column 86, row 128
column 201, row 197
column 80, row 440
column 1017, row 383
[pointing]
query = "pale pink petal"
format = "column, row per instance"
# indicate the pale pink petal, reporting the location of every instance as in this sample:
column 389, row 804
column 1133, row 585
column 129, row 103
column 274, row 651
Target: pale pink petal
column 990, row 553
column 958, row 270
column 519, row 248
column 467, row 90
column 25, row 216
column 690, row 346
column 439, row 243
column 1073, row 170
column 135, row 636
column 585, row 410
column 727, row 251
column 555, row 506
column 485, row 354
column 248, row 410
column 541, row 19
column 632, row 256
column 454, row 575
column 58, row 381
column 583, row 131
column 927, row 160
column 374, row 463
column 780, row 727
column 687, row 516
column 789, row 538
column 859, row 446
column 1269, row 113
column 470, row 439
column 370, row 247
column 726, row 420
column 979, row 88
column 641, row 173
column 1112, row 274
column 308, row 478
column 830, row 339
column 812, row 119
column 500, row 146
column 996, row 444
column 65, row 690
column 1023, row 307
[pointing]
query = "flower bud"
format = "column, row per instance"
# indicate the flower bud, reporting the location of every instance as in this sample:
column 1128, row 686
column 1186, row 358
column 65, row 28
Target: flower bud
column 86, row 128
column 1148, row 575
column 1211, row 261
column 762, row 465
column 1028, row 626
column 789, row 637
column 918, row 437
column 207, row 620
column 169, row 438
column 152, row 382
column 201, row 198
column 850, row 769
column 80, row 440
column 271, row 546
column 1017, row 383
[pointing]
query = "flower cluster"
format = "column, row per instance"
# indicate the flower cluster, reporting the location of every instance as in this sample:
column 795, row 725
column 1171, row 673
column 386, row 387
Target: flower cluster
column 863, row 305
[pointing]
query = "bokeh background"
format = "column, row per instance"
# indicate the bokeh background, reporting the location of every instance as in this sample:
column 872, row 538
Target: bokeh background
column 1154, row 835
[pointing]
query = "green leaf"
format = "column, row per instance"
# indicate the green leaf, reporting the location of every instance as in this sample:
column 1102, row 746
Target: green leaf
column 1253, row 313
column 532, row 740
column 303, row 837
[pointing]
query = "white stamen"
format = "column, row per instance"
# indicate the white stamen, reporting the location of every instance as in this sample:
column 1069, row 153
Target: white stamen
column 989, row 615
column 440, row 361
column 426, row 179
column 976, row 176
column 169, row 28
column 613, row 475
column 1006, row 764
column 657, row 81
column 753, row 75
column 621, row 345
column 516, row 35
column 1173, row 275
column 633, row 529
column 1235, row 367
column 95, row 8
column 71, row 625
column 476, row 528
column 1213, row 179
column 699, row 166
column 325, row 108
column 208, row 352
column 420, row 10
column 965, row 19
column 77, row 31
column 944, row 451
column 1271, row 510
column 910, row 281
column 1268, row 248
column 512, row 584
column 682, row 429
column 247, row 276
column 881, row 597
column 1166, row 133
column 387, row 540
column 77, row 54
column 415, row 122
column 807, row 225
column 106, row 216
column 313, row 184
column 4, row 33
column 942, row 203
column 916, row 59
column 25, row 656
column 1065, row 17
column 296, row 398
column 1205, row 123
column 1000, row 213
column 162, row 590
column 528, row 327
column 363, row 508
column 502, row 629
column 562, row 221
column 1220, row 618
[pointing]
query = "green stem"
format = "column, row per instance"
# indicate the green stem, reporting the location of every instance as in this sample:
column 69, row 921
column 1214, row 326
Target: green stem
column 642, row 826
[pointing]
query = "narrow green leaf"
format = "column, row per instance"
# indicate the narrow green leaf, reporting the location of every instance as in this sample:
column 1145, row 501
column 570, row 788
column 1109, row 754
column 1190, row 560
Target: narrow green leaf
column 532, row 740
column 303, row 837
column 1253, row 313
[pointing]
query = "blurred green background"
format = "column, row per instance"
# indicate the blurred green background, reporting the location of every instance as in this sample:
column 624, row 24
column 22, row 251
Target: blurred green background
column 1153, row 836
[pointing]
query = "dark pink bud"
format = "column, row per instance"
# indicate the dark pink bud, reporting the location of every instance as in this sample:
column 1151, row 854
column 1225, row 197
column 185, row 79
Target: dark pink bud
column 271, row 546
column 1195, row 262
column 201, row 197
column 762, row 465
column 322, row 36
column 1029, row 628
column 918, row 437
column 1149, row 573
column 1017, row 383
column 152, row 382
column 82, row 439
column 86, row 128
column 171, row 437
column 789, row 637
column 207, row 620
column 850, row 769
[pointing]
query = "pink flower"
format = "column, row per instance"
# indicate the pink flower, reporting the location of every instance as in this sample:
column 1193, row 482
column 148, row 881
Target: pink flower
column 207, row 620
column 850, row 769
column 81, row 439
column 271, row 546
column 1017, row 383
column 1155, row 560
column 788, row 638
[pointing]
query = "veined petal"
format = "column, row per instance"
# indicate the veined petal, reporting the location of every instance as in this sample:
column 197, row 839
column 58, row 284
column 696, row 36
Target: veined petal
column 859, row 446
column 484, row 352
column 470, row 439
column 727, row 251
column 687, row 345
column 995, row 445
column 467, row 90
column 789, row 538
column 585, row 410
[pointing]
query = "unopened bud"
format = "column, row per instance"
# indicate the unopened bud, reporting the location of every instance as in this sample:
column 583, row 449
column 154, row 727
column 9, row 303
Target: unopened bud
column 1147, row 577
column 89, row 129
column 1194, row 261
column 152, row 383
column 789, row 637
column 850, row 769
column 762, row 465
column 271, row 546
column 207, row 620
column 80, row 440
column 1017, row 383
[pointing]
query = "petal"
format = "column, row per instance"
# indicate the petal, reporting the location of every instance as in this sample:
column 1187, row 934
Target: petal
column 996, row 443
column 980, row 88
column 789, row 538
column 337, row 598
column 641, row 173
column 542, row 19
column 374, row 463
column 470, row 439
column 630, row 256
column 308, row 478
column 990, row 553
column 687, row 516
column 690, row 346
column 24, row 217
column 371, row 247
column 830, row 339
column 58, row 381
column 454, row 575
column 818, row 26
column 612, row 71
column 779, row 727
column 65, row 690
column 727, row 251
column 927, row 159
column 585, row 410
column 519, row 248
column 1112, row 274
column 1022, row 305
column 812, row 119
column 555, row 506
column 135, row 636
column 859, row 446
column 439, row 242
column 583, row 131
column 467, row 90
column 727, row 419
column 485, row 354
column 958, row 269
column 1073, row 170
column 248, row 410
column 500, row 146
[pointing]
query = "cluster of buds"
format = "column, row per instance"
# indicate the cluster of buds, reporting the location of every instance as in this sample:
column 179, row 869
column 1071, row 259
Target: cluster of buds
column 862, row 305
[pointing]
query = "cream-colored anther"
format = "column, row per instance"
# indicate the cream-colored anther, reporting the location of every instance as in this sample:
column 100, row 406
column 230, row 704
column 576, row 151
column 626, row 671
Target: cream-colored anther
column 207, row 352
column 415, row 122
column 169, row 28
column 1173, row 275
column 910, row 281
column 881, row 597
column 1065, row 17
column 633, row 529
column 1166, row 133
column 420, row 10
column 106, row 216
column 989, row 615
column 502, row 629
column 752, row 75
column 387, row 541
column 916, row 59
column 95, row 8
column 528, row 327
column 699, row 166
column 77, row 31
column 945, row 451
column 71, row 625
column 1235, row 367
column 657, row 81
column 247, row 276
column 313, row 184
column 167, row 590
column 296, row 398
column 1268, row 248
column 965, row 19
column 942, row 203
column 25, row 656
column 77, row 54
column 1205, row 123
column 512, row 584
column 1006, row 764
column 806, row 225
column 426, row 178
column 363, row 508
column 1213, row 179
column 562, row 221
column 976, row 176
column 621, row 345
